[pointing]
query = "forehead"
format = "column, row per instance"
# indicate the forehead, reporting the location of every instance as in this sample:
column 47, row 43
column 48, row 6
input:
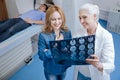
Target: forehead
column 42, row 5
column 56, row 14
column 83, row 13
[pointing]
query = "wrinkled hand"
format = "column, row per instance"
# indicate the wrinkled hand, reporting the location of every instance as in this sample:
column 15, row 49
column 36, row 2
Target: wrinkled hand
column 95, row 62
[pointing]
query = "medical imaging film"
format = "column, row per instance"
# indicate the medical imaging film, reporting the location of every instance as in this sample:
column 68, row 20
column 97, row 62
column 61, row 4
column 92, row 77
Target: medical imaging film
column 73, row 51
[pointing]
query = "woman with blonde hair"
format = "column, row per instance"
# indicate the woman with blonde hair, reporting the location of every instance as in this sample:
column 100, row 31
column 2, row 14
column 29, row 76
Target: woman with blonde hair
column 54, row 29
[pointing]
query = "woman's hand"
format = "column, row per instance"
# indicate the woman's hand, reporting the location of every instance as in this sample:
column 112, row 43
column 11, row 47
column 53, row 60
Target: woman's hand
column 59, row 37
column 45, row 50
column 95, row 62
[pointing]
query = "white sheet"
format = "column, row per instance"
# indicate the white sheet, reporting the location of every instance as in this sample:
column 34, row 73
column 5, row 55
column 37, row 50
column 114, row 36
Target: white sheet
column 19, row 38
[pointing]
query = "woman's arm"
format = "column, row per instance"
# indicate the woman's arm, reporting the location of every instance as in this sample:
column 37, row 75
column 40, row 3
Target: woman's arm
column 43, row 51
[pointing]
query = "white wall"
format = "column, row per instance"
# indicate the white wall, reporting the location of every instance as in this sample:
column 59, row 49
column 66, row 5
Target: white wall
column 68, row 8
column 22, row 6
column 58, row 2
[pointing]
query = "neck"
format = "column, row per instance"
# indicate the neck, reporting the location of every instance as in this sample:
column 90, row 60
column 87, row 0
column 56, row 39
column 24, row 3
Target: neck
column 92, row 30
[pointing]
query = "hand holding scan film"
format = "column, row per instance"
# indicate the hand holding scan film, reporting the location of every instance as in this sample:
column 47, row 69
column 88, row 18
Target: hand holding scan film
column 73, row 51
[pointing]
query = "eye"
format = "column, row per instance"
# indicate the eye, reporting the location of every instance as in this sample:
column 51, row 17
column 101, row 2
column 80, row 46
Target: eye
column 59, row 18
column 79, row 17
column 84, row 17
column 53, row 19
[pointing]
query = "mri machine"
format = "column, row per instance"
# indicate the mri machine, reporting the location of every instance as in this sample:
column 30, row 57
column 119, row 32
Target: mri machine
column 19, row 49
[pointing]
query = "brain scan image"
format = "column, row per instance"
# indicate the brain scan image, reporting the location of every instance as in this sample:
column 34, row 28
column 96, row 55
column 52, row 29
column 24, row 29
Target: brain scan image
column 90, row 45
column 82, row 47
column 90, row 51
column 72, row 42
column 90, row 39
column 81, row 40
column 72, row 48
column 75, row 50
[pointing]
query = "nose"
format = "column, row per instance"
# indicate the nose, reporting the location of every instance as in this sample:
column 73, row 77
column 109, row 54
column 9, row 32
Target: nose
column 57, row 21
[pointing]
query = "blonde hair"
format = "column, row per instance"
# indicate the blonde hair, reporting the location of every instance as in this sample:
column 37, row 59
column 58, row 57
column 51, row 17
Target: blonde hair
column 92, row 9
column 50, row 11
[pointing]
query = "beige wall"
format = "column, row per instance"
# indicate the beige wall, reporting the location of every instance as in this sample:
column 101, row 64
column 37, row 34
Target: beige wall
column 11, row 7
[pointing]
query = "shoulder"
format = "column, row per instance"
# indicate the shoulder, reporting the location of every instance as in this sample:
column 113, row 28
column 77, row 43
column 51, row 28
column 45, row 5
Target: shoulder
column 42, row 12
column 102, row 30
column 67, row 34
column 104, row 33
column 43, row 34
column 31, row 10
column 66, row 31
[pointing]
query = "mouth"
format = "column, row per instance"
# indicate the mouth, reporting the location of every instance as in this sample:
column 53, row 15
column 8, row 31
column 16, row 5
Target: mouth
column 84, row 24
column 57, row 25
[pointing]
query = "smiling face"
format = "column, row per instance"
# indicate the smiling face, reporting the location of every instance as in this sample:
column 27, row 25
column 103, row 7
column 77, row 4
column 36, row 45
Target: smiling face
column 87, row 20
column 56, row 21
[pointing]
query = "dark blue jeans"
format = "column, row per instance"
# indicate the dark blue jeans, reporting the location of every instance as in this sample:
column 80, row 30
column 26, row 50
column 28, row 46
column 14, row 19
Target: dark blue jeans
column 50, row 76
column 11, row 26
column 2, row 21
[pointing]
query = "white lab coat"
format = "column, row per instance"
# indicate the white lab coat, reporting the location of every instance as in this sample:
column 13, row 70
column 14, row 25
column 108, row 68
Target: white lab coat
column 104, row 49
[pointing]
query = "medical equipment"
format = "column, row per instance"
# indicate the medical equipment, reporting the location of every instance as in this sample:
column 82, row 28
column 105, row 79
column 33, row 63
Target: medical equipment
column 114, row 20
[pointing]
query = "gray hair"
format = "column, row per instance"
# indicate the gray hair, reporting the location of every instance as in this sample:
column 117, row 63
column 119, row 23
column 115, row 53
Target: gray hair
column 92, row 9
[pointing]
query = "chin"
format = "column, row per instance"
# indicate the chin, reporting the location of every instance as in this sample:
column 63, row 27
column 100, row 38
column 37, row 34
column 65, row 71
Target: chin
column 57, row 28
column 85, row 27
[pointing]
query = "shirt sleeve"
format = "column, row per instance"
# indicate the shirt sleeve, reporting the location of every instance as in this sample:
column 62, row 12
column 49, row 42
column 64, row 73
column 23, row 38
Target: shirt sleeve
column 42, row 53
column 43, row 16
column 108, row 54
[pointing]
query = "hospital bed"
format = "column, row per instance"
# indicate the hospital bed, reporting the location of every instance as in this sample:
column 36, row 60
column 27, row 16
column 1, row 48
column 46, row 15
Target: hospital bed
column 18, row 50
